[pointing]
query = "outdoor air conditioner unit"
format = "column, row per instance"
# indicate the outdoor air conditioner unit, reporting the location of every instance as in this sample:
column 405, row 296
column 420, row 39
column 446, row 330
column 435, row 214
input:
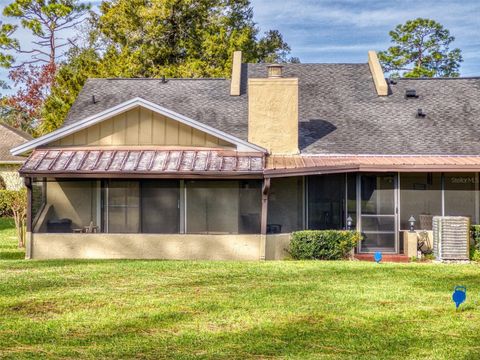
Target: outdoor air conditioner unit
column 451, row 237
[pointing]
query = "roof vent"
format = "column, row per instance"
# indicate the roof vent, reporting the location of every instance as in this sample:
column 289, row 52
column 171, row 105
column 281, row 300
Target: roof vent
column 420, row 113
column 164, row 79
column 411, row 93
column 94, row 101
column 275, row 71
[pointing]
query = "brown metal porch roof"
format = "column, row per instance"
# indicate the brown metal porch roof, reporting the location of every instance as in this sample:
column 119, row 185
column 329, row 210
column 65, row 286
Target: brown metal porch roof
column 324, row 164
column 213, row 163
column 99, row 163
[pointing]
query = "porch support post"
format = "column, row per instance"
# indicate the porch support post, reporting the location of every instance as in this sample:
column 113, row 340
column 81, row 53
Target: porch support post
column 28, row 234
column 263, row 223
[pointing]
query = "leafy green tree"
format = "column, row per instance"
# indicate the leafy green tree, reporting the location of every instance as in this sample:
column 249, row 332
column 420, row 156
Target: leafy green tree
column 187, row 38
column 152, row 38
column 7, row 43
column 46, row 20
column 422, row 49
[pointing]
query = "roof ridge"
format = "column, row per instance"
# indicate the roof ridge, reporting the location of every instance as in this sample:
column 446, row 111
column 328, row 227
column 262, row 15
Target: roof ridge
column 308, row 63
column 440, row 78
column 156, row 79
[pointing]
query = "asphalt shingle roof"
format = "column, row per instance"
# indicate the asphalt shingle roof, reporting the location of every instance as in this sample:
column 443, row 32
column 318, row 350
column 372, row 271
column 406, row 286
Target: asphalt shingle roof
column 339, row 110
column 10, row 138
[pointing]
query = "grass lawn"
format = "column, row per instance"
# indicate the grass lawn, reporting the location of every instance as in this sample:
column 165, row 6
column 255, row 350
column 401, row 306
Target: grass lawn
column 234, row 310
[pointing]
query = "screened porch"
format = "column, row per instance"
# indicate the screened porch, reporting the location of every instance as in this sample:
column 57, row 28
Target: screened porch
column 114, row 206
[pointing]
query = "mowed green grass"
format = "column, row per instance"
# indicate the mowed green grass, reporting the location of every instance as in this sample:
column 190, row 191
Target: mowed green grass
column 234, row 310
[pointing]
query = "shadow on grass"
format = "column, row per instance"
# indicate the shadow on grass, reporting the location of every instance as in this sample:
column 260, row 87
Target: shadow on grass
column 12, row 255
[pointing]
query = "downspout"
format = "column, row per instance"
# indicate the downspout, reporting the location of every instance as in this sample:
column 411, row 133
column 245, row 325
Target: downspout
column 263, row 223
column 28, row 235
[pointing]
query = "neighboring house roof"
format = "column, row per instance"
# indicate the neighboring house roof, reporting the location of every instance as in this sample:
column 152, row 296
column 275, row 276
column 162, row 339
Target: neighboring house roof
column 339, row 109
column 161, row 161
column 10, row 138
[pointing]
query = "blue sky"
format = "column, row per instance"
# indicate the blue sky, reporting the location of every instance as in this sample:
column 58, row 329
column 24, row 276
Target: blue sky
column 344, row 30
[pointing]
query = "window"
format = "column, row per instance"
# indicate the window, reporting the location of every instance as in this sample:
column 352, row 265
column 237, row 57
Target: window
column 285, row 205
column 326, row 202
column 420, row 197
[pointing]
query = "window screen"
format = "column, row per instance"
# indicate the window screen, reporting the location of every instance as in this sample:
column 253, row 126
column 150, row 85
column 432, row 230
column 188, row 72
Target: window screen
column 123, row 207
column 160, row 206
column 225, row 207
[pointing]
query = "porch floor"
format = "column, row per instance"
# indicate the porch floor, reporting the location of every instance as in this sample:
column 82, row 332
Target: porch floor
column 397, row 258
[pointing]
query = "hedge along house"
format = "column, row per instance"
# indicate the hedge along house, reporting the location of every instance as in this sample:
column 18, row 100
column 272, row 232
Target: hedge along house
column 10, row 164
column 227, row 168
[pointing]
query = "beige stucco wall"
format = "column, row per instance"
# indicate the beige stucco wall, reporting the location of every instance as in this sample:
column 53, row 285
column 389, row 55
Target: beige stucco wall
column 276, row 247
column 141, row 126
column 9, row 174
column 73, row 200
column 273, row 114
column 157, row 246
column 145, row 246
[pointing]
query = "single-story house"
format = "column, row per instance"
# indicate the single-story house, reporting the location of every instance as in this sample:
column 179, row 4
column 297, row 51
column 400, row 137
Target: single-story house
column 228, row 168
column 10, row 164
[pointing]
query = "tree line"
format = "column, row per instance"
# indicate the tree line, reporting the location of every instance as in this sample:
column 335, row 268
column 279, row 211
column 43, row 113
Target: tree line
column 155, row 38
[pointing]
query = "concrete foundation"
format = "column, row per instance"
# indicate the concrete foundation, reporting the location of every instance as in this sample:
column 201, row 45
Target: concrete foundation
column 157, row 246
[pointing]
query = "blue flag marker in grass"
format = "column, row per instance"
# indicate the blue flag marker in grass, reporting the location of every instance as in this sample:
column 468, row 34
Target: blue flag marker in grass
column 377, row 257
column 459, row 295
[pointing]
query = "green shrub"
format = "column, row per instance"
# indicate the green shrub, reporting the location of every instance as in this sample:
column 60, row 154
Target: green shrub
column 5, row 208
column 475, row 247
column 322, row 244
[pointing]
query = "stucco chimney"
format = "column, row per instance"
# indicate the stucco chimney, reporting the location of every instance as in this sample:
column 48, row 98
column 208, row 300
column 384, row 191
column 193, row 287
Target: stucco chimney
column 236, row 74
column 377, row 74
column 273, row 112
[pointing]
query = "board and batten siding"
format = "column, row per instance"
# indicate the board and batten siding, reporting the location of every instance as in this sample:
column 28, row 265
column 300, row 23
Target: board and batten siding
column 139, row 127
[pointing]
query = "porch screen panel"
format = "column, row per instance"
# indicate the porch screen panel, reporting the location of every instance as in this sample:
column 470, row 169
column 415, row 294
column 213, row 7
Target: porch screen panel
column 285, row 205
column 123, row 207
column 68, row 205
column 223, row 207
column 38, row 198
column 326, row 202
column 420, row 197
column 461, row 195
column 352, row 198
column 160, row 206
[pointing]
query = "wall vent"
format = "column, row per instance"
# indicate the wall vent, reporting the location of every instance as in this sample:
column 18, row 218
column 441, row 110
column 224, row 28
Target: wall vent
column 420, row 113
